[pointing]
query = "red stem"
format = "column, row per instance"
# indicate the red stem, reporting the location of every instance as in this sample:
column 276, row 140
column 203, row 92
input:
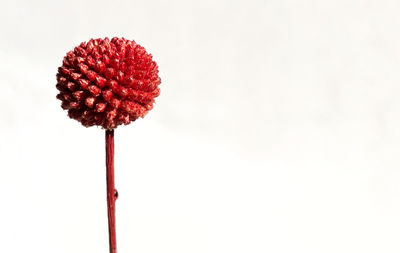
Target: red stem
column 112, row 193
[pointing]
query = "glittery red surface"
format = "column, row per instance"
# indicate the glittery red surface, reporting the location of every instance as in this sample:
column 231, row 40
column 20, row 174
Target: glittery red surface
column 107, row 82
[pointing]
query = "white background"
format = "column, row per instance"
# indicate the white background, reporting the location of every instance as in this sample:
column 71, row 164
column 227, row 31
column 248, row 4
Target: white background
column 277, row 129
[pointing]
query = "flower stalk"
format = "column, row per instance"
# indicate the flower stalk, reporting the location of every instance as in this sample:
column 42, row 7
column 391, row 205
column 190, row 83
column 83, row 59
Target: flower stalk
column 112, row 193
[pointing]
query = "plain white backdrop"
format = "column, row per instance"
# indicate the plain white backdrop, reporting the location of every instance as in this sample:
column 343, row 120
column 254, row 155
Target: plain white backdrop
column 277, row 129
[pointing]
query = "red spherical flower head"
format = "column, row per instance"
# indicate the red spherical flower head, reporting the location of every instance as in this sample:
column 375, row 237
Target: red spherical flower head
column 107, row 82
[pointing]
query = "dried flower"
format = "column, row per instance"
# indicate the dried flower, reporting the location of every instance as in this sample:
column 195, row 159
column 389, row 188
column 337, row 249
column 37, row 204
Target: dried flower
column 107, row 82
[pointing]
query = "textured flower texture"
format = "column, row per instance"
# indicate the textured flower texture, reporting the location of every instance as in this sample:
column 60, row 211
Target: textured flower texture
column 107, row 82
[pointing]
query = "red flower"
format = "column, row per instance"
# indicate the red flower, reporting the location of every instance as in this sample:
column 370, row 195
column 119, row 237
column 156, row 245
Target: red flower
column 108, row 82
